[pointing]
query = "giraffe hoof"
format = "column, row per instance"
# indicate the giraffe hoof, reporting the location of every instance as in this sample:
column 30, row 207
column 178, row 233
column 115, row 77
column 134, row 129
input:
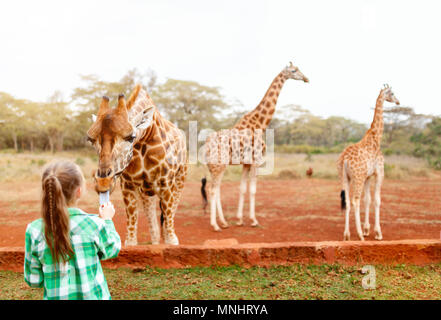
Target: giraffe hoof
column 346, row 237
column 255, row 224
column 129, row 243
column 224, row 225
column 366, row 231
column 173, row 241
column 378, row 236
column 239, row 223
column 217, row 229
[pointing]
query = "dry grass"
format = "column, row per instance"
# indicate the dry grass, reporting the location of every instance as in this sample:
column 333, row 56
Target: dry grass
column 28, row 166
column 294, row 166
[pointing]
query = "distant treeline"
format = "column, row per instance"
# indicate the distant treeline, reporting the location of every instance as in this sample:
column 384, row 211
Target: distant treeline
column 61, row 122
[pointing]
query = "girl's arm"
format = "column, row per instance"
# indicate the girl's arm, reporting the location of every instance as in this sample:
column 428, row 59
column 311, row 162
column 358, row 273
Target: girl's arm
column 33, row 271
column 109, row 242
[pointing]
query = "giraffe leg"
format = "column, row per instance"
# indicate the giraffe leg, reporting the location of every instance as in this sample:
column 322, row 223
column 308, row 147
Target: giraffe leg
column 217, row 173
column 356, row 204
column 242, row 191
column 367, row 203
column 253, row 189
column 130, row 201
column 213, row 202
column 224, row 223
column 377, row 202
column 168, row 210
column 150, row 210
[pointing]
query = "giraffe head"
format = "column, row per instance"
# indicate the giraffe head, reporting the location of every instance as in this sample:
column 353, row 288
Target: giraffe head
column 293, row 72
column 110, row 130
column 388, row 95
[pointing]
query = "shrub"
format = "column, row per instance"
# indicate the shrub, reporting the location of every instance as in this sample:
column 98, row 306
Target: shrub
column 288, row 174
column 80, row 161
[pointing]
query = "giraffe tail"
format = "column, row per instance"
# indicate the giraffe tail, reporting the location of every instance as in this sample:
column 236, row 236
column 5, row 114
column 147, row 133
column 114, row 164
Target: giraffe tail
column 162, row 214
column 343, row 200
column 204, row 194
column 342, row 174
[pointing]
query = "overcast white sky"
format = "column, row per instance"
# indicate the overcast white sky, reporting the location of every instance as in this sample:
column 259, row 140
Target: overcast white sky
column 348, row 49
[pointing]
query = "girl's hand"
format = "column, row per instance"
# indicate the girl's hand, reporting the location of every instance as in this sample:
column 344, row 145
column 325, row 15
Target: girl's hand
column 107, row 211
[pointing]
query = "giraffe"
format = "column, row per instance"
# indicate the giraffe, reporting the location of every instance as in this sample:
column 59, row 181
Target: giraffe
column 357, row 164
column 233, row 147
column 150, row 159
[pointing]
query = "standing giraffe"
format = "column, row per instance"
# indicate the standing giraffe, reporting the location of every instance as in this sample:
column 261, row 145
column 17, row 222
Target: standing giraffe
column 154, row 163
column 357, row 164
column 230, row 147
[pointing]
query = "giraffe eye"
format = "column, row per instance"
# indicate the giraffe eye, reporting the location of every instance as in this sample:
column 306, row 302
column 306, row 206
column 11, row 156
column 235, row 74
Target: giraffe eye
column 130, row 138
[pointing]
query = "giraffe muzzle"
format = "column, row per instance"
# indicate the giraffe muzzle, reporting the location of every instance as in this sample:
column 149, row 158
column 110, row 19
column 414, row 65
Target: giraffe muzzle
column 104, row 173
column 104, row 183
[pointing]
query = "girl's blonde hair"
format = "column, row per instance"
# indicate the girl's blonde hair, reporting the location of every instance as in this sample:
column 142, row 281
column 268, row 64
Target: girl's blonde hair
column 59, row 182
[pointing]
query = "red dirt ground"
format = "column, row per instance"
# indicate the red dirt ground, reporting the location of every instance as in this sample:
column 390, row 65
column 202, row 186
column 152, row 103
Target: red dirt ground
column 288, row 210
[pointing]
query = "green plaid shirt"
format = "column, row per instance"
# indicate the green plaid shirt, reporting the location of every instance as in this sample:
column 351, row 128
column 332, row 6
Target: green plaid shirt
column 93, row 239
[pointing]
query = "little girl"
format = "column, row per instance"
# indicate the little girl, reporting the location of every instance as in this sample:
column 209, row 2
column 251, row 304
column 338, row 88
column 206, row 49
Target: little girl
column 65, row 246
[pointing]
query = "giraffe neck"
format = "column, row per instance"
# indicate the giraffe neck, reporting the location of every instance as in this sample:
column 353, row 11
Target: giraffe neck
column 378, row 124
column 261, row 116
column 156, row 132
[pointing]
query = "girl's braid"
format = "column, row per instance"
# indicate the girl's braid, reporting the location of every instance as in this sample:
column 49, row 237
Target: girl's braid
column 51, row 199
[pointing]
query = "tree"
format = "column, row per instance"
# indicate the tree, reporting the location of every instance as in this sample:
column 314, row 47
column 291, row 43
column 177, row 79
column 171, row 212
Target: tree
column 183, row 101
column 86, row 99
column 395, row 119
column 283, row 123
column 297, row 126
column 31, row 123
column 12, row 116
column 428, row 143
column 54, row 118
column 400, row 124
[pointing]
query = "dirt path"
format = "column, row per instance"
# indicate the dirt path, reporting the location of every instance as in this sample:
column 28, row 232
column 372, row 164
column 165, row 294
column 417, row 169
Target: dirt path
column 288, row 210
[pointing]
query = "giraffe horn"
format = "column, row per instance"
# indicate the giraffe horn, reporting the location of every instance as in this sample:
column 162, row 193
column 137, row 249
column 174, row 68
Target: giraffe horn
column 121, row 102
column 104, row 106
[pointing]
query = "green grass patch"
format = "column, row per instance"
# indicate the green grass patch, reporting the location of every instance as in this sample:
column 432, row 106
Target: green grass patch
column 281, row 282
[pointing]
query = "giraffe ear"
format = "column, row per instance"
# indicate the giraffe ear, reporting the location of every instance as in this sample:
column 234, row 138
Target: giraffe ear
column 93, row 117
column 147, row 119
column 133, row 97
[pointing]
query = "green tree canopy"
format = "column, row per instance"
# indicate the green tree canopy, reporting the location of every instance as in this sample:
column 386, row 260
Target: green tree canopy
column 182, row 101
column 428, row 143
